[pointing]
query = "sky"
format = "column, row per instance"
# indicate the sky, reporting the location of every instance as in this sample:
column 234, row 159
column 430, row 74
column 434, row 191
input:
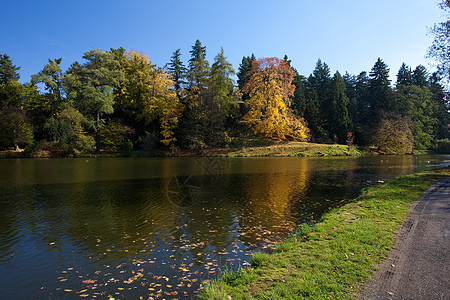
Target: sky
column 348, row 35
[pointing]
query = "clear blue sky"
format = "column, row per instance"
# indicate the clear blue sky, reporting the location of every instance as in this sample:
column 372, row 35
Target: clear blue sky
column 348, row 35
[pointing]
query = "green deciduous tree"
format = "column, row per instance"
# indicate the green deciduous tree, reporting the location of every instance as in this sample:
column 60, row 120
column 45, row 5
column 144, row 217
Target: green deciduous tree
column 15, row 130
column 394, row 135
column 417, row 104
column 93, row 84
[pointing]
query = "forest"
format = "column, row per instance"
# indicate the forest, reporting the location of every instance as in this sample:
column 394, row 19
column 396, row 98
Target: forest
column 118, row 101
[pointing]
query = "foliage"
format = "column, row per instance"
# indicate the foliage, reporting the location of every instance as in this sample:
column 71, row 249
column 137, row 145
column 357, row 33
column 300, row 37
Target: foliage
column 381, row 97
column 92, row 86
column 222, row 85
column 440, row 48
column 67, row 129
column 177, row 71
column 15, row 130
column 148, row 93
column 114, row 134
column 340, row 123
column 394, row 135
column 443, row 146
column 8, row 71
column 270, row 89
column 417, row 104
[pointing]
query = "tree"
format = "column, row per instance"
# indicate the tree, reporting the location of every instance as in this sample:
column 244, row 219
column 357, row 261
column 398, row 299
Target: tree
column 319, row 111
column 51, row 77
column 416, row 103
column 394, row 135
column 148, row 95
column 14, row 128
column 177, row 71
column 92, row 85
column 404, row 75
column 442, row 112
column 419, row 76
column 270, row 89
column 198, row 66
column 244, row 69
column 67, row 129
column 340, row 123
column 8, row 71
column 222, row 84
column 440, row 48
column 380, row 92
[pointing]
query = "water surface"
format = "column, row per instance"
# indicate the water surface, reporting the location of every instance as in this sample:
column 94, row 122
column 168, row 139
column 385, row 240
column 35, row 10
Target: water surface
column 125, row 228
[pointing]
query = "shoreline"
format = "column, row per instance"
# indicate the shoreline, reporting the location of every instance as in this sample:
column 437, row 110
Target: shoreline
column 247, row 148
column 336, row 256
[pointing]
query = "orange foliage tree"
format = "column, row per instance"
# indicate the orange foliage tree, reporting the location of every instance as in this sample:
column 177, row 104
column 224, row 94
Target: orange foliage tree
column 270, row 89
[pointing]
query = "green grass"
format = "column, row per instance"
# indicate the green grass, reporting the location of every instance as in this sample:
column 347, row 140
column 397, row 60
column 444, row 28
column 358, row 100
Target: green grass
column 332, row 258
column 290, row 149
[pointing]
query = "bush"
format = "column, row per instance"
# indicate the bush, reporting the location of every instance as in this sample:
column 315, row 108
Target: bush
column 44, row 149
column 126, row 149
column 394, row 135
column 443, row 146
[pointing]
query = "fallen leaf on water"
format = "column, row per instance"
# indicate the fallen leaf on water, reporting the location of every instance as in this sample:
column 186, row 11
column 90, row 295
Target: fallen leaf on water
column 84, row 295
column 64, row 279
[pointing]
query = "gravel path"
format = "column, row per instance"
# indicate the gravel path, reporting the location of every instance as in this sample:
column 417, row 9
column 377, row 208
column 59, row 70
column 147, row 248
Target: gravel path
column 419, row 267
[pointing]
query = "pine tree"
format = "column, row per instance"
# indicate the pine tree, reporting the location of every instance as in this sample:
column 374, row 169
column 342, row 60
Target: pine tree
column 177, row 71
column 419, row 76
column 340, row 123
column 243, row 70
column 222, row 84
column 198, row 66
column 8, row 71
column 380, row 92
column 404, row 75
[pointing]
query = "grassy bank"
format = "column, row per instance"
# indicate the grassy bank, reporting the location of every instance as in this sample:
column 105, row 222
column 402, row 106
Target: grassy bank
column 240, row 148
column 332, row 258
column 259, row 148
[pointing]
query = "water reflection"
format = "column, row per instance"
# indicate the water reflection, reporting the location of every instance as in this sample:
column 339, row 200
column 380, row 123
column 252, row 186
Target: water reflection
column 131, row 228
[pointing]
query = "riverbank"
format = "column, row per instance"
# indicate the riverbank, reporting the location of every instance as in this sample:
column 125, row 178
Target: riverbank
column 335, row 256
column 240, row 148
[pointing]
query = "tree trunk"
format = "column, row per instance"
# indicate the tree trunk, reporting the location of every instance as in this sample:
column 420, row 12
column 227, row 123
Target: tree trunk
column 97, row 134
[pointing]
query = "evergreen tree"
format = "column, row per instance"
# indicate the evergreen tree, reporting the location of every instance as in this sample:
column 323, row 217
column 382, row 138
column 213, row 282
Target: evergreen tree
column 417, row 104
column 442, row 112
column 243, row 70
column 419, row 76
column 222, row 84
column 8, row 71
column 350, row 92
column 198, row 66
column 380, row 91
column 404, row 75
column 298, row 100
column 340, row 123
column 177, row 71
column 320, row 82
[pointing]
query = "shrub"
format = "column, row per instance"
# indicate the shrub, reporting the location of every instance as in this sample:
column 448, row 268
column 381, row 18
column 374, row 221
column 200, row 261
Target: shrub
column 443, row 146
column 394, row 135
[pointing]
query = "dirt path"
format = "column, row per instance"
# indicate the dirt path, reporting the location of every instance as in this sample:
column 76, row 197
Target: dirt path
column 419, row 267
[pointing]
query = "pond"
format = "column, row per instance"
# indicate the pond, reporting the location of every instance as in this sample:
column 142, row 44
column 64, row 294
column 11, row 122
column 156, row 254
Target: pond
column 124, row 228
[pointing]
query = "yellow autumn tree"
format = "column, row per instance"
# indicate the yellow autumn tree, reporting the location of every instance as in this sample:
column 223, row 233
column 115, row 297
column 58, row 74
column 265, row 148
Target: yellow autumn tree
column 270, row 89
column 149, row 93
